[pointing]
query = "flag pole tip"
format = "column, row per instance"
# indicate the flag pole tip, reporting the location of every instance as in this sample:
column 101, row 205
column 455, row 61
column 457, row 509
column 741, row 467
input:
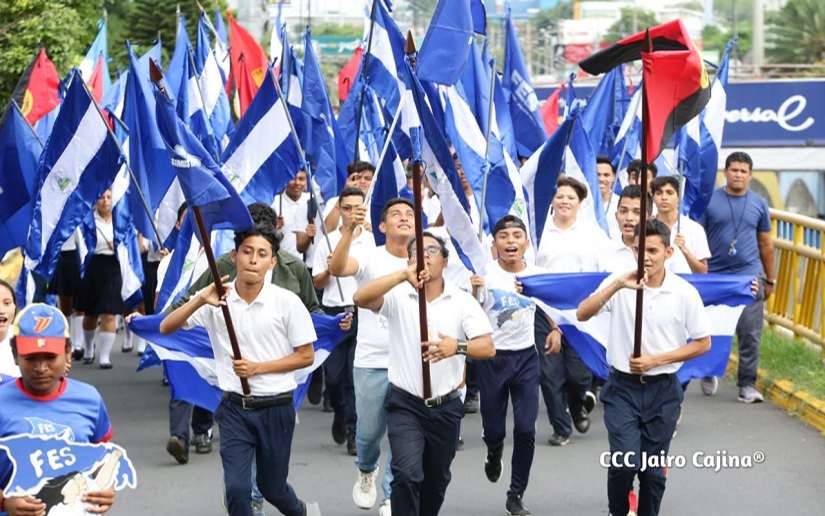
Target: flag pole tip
column 154, row 71
column 409, row 46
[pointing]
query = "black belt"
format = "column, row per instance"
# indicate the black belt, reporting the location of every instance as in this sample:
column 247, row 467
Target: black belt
column 258, row 402
column 334, row 310
column 433, row 402
column 640, row 378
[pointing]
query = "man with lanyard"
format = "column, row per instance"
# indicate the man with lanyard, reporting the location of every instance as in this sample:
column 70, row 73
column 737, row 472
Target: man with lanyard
column 642, row 396
column 371, row 353
column 423, row 433
column 738, row 227
column 338, row 366
column 513, row 374
column 40, row 343
column 275, row 335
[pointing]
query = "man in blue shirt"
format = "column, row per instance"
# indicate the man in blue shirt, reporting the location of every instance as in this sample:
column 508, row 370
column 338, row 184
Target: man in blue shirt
column 738, row 227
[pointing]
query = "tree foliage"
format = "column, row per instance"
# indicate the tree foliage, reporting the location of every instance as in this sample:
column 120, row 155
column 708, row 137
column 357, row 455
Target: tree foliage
column 632, row 20
column 796, row 33
column 549, row 18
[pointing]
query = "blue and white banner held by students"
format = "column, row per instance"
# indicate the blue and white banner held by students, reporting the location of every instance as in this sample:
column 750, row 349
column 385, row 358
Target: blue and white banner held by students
column 78, row 164
column 59, row 472
column 724, row 296
column 189, row 361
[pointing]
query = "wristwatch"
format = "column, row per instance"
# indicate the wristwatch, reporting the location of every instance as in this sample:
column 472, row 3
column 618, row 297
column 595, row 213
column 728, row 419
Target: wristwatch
column 461, row 348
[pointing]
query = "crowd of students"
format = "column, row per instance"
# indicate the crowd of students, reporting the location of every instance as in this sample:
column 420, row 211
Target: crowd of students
column 488, row 343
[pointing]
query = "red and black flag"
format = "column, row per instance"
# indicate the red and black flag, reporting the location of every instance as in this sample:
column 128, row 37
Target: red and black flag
column 676, row 86
column 37, row 90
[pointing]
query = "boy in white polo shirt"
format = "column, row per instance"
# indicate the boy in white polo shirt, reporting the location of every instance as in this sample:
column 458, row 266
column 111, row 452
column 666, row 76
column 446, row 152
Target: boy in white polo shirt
column 690, row 244
column 275, row 335
column 642, row 396
column 424, row 432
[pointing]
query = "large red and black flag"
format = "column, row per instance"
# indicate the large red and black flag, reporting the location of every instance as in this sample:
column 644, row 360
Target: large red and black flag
column 37, row 90
column 676, row 86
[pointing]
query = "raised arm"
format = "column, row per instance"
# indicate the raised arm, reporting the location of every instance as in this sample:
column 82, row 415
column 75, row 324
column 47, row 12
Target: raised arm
column 593, row 304
column 341, row 264
column 178, row 317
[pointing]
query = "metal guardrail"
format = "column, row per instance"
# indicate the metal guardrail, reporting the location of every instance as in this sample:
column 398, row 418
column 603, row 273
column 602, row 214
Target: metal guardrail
column 798, row 302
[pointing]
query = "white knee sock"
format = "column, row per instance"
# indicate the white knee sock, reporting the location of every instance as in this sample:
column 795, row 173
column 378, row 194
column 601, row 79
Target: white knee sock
column 106, row 343
column 76, row 331
column 88, row 344
column 140, row 345
column 127, row 339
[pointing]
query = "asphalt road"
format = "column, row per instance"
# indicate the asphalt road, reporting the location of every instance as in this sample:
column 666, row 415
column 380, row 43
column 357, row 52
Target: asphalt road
column 790, row 479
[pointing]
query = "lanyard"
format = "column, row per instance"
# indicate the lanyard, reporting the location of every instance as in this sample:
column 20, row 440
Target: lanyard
column 736, row 224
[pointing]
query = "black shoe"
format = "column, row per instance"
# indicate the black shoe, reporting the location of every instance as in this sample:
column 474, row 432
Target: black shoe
column 106, row 366
column 352, row 449
column 493, row 464
column 515, row 507
column 582, row 422
column 327, row 405
column 178, row 450
column 471, row 405
column 557, row 440
column 339, row 429
column 202, row 444
column 589, row 401
column 88, row 361
column 316, row 385
column 77, row 354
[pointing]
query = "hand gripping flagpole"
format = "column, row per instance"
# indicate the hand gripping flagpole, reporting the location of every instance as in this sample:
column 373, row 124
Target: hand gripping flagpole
column 418, row 173
column 364, row 62
column 640, row 267
column 125, row 162
column 156, row 75
column 311, row 183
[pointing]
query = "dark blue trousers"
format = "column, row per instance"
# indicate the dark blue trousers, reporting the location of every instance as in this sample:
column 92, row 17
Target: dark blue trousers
column 338, row 373
column 511, row 375
column 423, row 441
column 640, row 418
column 180, row 414
column 266, row 436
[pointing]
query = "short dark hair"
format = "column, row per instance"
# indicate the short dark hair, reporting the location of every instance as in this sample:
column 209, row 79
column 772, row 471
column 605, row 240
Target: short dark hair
column 347, row 192
column 265, row 230
column 636, row 167
column 604, row 160
column 635, row 192
column 182, row 209
column 660, row 182
column 655, row 227
column 507, row 222
column 575, row 184
column 445, row 253
column 739, row 157
column 262, row 213
column 358, row 166
column 392, row 202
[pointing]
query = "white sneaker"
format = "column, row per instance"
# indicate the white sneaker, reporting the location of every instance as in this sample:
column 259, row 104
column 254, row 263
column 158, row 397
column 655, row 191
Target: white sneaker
column 710, row 384
column 364, row 492
column 385, row 509
column 749, row 394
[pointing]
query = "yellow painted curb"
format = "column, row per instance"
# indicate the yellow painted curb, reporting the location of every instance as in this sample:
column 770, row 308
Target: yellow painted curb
column 797, row 402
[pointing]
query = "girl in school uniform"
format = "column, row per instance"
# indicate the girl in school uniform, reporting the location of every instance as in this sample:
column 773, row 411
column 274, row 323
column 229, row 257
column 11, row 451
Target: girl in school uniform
column 99, row 297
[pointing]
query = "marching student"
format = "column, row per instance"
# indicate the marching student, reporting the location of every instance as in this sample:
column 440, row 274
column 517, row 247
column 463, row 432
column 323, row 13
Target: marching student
column 359, row 175
column 606, row 174
column 634, row 169
column 642, row 396
column 65, row 283
column 689, row 242
column 568, row 244
column 424, row 433
column 8, row 307
column 371, row 354
column 275, row 335
column 41, row 346
column 293, row 208
column 99, row 296
column 617, row 255
column 513, row 374
column 338, row 366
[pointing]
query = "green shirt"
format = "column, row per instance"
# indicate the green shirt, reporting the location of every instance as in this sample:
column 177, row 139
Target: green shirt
column 290, row 273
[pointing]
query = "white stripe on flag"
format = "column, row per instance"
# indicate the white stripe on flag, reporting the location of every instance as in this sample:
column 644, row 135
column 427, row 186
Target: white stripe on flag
column 131, row 282
column 211, row 84
column 67, row 170
column 167, row 214
column 205, row 367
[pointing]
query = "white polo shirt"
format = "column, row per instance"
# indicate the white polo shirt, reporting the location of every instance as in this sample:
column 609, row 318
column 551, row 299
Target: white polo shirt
column 570, row 250
column 362, row 243
column 673, row 314
column 511, row 315
column 295, row 219
column 105, row 233
column 695, row 240
column 373, row 332
column 7, row 365
column 454, row 313
column 615, row 256
column 267, row 329
column 613, row 230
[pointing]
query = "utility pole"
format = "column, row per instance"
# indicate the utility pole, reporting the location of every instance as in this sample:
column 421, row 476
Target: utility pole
column 758, row 36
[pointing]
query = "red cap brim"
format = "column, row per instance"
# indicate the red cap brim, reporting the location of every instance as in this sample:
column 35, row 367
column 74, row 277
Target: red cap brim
column 33, row 345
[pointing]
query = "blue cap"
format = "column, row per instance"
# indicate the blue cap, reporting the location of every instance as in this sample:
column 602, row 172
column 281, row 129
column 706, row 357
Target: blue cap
column 40, row 328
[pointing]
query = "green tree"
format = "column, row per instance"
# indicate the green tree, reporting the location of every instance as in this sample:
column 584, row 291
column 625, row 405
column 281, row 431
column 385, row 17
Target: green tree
column 549, row 18
column 797, row 33
column 65, row 28
column 715, row 38
column 632, row 20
